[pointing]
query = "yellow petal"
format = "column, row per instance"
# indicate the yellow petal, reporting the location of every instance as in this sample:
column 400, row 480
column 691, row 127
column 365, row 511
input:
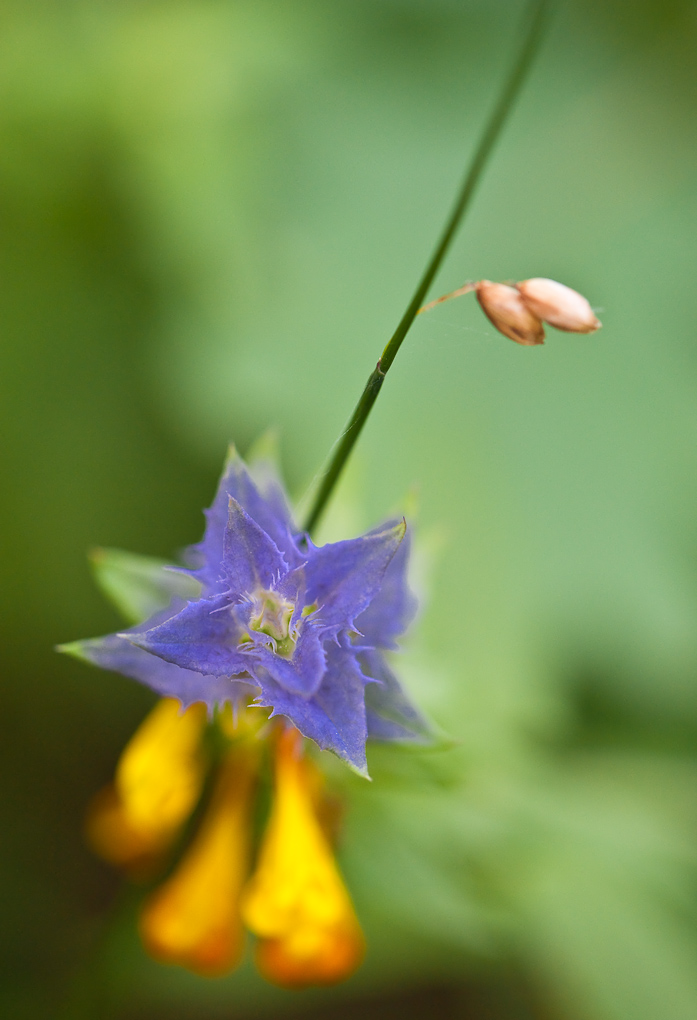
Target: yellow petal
column 239, row 720
column 296, row 901
column 160, row 773
column 158, row 781
column 194, row 918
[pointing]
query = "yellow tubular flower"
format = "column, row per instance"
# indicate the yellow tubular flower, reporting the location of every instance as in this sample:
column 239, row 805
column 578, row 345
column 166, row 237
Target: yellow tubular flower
column 296, row 901
column 160, row 772
column 194, row 918
column 158, row 781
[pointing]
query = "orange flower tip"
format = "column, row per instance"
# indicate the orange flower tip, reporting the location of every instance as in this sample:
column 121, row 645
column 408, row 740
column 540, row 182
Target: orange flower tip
column 213, row 956
column 558, row 305
column 338, row 956
column 113, row 837
column 507, row 311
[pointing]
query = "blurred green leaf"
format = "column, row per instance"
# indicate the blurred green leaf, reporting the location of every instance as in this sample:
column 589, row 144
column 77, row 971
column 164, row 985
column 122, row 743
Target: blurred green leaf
column 139, row 585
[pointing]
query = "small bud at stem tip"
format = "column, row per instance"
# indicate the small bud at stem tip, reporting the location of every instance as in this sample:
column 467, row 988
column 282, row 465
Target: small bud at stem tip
column 558, row 305
column 506, row 310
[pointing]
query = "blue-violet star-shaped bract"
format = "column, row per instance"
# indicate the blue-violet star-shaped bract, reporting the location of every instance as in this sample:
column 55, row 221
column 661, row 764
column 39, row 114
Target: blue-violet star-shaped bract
column 299, row 627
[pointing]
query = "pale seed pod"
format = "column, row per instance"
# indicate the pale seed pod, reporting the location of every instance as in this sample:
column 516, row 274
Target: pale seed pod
column 558, row 305
column 505, row 309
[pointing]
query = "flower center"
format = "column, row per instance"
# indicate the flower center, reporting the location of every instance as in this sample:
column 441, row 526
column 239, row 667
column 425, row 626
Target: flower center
column 271, row 615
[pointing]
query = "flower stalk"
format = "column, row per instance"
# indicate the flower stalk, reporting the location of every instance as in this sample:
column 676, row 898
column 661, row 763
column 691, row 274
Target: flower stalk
column 536, row 19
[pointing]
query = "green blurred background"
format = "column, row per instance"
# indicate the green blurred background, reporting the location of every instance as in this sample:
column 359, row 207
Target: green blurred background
column 212, row 215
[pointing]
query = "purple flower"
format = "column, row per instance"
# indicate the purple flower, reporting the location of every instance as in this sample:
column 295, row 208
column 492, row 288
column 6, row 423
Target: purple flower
column 300, row 628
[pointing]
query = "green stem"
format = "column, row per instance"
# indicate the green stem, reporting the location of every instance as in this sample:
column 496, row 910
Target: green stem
column 537, row 16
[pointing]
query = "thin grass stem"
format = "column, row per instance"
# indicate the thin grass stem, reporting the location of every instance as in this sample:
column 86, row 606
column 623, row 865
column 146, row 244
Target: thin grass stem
column 536, row 19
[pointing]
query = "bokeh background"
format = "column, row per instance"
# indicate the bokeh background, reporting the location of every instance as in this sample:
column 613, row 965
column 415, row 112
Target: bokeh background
column 212, row 215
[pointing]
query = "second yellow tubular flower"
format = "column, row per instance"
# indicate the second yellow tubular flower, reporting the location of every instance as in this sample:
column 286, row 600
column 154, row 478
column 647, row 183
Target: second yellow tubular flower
column 194, row 918
column 296, row 901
